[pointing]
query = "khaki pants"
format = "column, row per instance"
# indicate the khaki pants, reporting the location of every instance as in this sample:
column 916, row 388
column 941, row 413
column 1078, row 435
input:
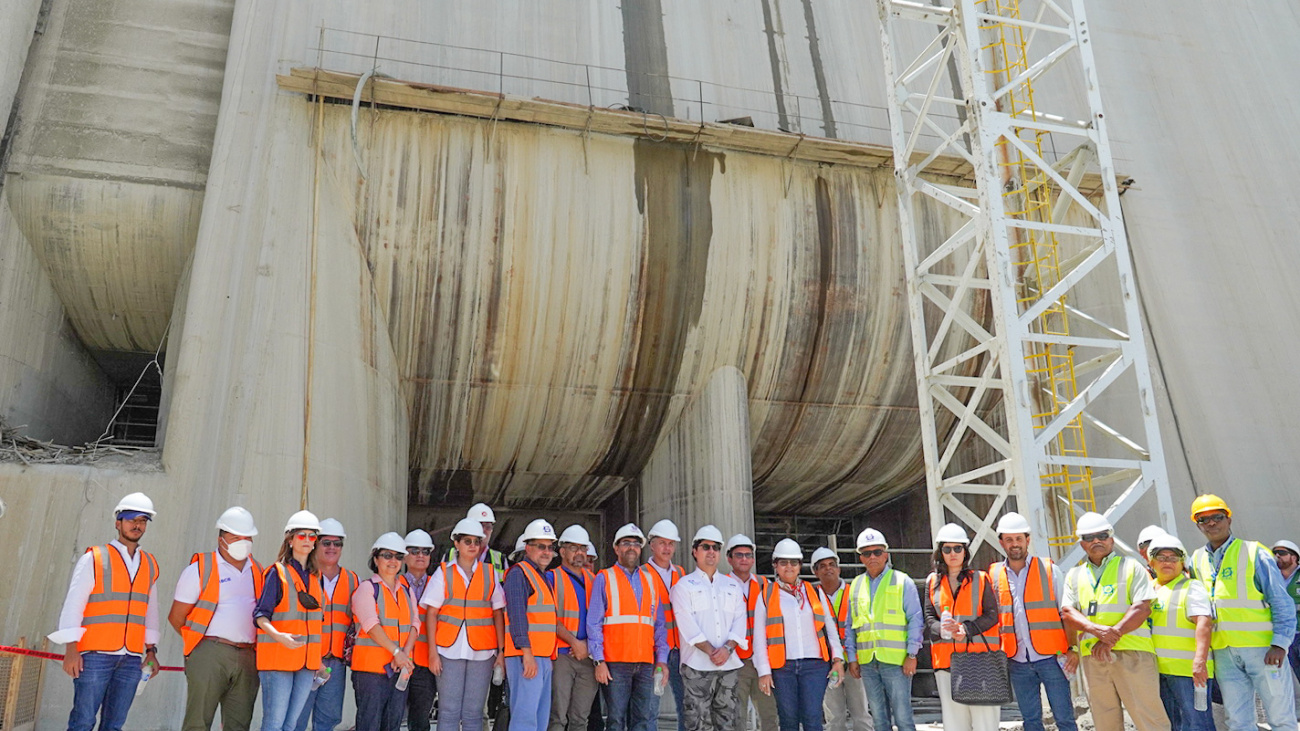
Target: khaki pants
column 573, row 687
column 1131, row 682
column 217, row 674
column 746, row 691
column 845, row 704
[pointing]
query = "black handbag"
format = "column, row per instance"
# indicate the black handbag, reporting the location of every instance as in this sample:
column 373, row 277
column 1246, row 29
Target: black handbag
column 980, row 678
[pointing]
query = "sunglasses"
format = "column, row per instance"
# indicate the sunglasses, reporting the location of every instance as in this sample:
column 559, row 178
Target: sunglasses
column 390, row 555
column 1167, row 557
column 549, row 548
column 305, row 534
column 331, row 543
column 1283, row 552
column 871, row 552
column 1208, row 519
column 470, row 540
column 711, row 547
column 742, row 555
column 308, row 601
column 419, row 551
column 787, row 562
column 1093, row 537
column 953, row 549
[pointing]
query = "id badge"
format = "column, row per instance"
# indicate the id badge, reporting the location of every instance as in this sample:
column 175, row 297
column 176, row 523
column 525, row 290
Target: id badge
column 1092, row 608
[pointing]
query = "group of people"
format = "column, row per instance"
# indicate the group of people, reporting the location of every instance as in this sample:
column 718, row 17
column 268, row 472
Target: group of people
column 801, row 652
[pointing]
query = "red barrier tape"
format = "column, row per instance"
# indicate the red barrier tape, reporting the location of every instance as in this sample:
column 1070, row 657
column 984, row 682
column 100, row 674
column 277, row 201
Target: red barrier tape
column 52, row 656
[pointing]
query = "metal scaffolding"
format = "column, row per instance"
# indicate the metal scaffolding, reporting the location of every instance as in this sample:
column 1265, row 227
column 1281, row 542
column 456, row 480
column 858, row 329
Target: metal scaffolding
column 1025, row 318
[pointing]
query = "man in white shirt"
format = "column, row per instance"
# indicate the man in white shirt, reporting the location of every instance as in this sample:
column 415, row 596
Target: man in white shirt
column 710, row 612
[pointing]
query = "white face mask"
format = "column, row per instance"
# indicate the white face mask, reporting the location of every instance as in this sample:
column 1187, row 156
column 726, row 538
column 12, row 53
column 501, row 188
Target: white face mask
column 239, row 550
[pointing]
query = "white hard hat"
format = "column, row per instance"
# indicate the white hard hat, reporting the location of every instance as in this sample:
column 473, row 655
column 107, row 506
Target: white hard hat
column 629, row 531
column 1288, row 545
column 468, row 527
column 237, row 520
column 665, row 529
column 302, row 520
column 740, row 539
column 1150, row 532
column 591, row 551
column 708, row 533
column 871, row 537
column 1013, row 523
column 420, row 539
column 1092, row 523
column 1164, row 540
column 519, row 544
column 951, row 533
column 822, row 554
column 482, row 513
column 389, row 541
column 538, row 530
column 575, row 534
column 331, row 527
column 787, row 548
column 136, row 502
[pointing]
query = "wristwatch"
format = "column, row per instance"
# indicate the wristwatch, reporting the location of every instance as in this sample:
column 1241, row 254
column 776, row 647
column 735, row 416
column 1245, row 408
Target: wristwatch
column 151, row 648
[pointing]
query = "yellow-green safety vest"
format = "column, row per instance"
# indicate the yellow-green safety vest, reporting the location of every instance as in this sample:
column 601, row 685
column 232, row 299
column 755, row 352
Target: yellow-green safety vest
column 1112, row 593
column 1173, row 632
column 879, row 622
column 1243, row 618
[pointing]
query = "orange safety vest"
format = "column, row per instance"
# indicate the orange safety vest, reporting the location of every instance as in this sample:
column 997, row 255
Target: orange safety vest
column 754, row 589
column 964, row 607
column 338, row 612
column 675, row 575
column 841, row 609
column 566, row 600
column 396, row 618
column 200, row 615
column 115, row 611
column 1046, row 633
column 420, row 655
column 541, row 616
column 291, row 617
column 629, row 626
column 776, row 623
column 468, row 606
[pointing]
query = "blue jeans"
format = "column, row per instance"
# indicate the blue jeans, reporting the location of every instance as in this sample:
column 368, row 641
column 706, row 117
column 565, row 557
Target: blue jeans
column 1178, row 693
column 800, row 687
column 284, row 695
column 106, row 682
column 1241, row 673
column 325, row 704
column 463, row 689
column 889, row 696
column 630, row 700
column 380, row 705
column 679, row 688
column 1293, row 654
column 1026, row 677
column 530, row 698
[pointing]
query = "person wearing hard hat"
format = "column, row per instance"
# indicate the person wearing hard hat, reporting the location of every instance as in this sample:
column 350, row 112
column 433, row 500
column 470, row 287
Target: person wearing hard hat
column 846, row 704
column 483, row 514
column 884, row 634
column 212, row 609
column 627, row 635
column 388, row 623
column 1041, row 649
column 961, row 615
column 325, row 704
column 1181, row 625
column 710, row 612
column 740, row 555
column 573, row 684
column 109, row 622
column 800, row 648
column 1287, row 555
column 663, row 544
column 1145, row 536
column 1256, row 619
column 423, row 688
column 464, row 613
column 531, row 618
column 289, row 622
column 1107, row 599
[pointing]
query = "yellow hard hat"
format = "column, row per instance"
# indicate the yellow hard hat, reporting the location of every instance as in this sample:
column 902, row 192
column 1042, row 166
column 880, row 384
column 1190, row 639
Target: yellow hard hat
column 1209, row 502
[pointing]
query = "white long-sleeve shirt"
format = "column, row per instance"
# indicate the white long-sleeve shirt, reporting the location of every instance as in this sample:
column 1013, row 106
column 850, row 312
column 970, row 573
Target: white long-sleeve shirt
column 435, row 595
column 800, row 637
column 709, row 610
column 79, row 589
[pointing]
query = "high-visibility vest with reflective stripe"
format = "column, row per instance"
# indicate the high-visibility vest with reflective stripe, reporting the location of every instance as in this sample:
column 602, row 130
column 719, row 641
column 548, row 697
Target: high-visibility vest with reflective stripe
column 776, row 623
column 200, row 615
column 754, row 589
column 541, row 616
column 675, row 575
column 1111, row 592
column 291, row 617
column 396, row 612
column 879, row 622
column 1042, row 613
column 419, row 655
column 1243, row 618
column 468, row 606
column 1174, row 633
column 566, row 600
column 116, row 608
column 840, row 603
column 629, row 625
column 965, row 607
column 338, row 612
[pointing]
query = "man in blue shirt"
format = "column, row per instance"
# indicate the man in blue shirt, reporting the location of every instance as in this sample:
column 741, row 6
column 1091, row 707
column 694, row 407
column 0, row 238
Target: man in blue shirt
column 573, row 680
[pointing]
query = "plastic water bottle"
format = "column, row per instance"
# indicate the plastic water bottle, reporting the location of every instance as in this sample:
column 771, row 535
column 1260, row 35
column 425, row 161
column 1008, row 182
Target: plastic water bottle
column 834, row 680
column 498, row 674
column 1201, row 699
column 1275, row 680
column 661, row 681
column 322, row 677
column 1069, row 674
column 144, row 678
column 403, row 680
column 944, row 632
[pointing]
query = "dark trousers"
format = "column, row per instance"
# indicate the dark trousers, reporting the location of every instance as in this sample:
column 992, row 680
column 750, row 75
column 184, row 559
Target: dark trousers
column 630, row 697
column 380, row 706
column 1293, row 654
column 419, row 699
column 1177, row 692
column 679, row 688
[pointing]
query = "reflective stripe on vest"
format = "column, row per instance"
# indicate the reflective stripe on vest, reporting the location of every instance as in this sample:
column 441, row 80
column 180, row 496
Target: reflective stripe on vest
column 840, row 603
column 1113, row 596
column 1042, row 614
column 964, row 608
column 396, row 618
column 115, row 610
column 775, row 628
column 880, row 622
column 753, row 589
column 1243, row 618
column 200, row 615
column 1174, row 633
column 338, row 612
column 675, row 574
column 420, row 653
column 567, row 608
column 629, row 624
column 468, row 606
column 540, row 615
column 291, row 617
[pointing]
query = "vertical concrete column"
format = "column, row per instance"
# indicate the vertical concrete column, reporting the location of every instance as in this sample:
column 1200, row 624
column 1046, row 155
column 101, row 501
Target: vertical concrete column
column 700, row 471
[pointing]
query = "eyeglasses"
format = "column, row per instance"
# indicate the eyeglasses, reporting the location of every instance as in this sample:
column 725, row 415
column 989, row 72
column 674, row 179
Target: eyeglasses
column 331, row 543
column 470, row 540
column 548, row 547
column 1093, row 537
column 742, row 555
column 871, row 552
column 1211, row 518
column 628, row 543
column 308, row 601
column 305, row 535
column 787, row 562
column 390, row 555
column 1167, row 557
column 711, row 547
column 418, row 551
column 954, row 549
